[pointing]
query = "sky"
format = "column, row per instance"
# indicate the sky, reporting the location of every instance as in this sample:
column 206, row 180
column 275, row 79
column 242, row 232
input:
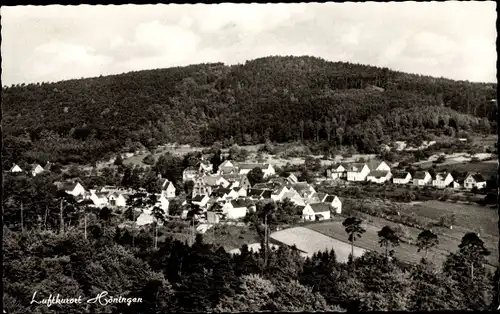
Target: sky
column 51, row 43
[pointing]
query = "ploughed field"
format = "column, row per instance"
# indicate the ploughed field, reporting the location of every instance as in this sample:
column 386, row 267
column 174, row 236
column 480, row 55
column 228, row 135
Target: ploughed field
column 310, row 242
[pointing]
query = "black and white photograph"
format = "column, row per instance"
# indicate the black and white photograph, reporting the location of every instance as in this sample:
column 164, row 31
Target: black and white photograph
column 250, row 157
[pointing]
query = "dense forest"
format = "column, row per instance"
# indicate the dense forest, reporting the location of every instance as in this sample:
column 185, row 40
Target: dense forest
column 279, row 99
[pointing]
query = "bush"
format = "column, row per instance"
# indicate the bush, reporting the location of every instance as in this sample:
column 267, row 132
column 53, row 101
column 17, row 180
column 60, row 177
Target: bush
column 149, row 160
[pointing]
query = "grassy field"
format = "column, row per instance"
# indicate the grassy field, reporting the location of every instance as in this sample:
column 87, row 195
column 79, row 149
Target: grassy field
column 310, row 241
column 485, row 168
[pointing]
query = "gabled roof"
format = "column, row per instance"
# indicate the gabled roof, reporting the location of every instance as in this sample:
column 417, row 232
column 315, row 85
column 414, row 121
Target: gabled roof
column 335, row 166
column 267, row 194
column 356, row 167
column 240, row 203
column 320, row 207
column 400, row 174
column 66, row 186
column 378, row 173
column 442, row 174
column 198, row 198
column 420, row 175
column 477, row 177
column 211, row 180
column 329, row 199
column 220, row 191
column 255, row 192
column 301, row 186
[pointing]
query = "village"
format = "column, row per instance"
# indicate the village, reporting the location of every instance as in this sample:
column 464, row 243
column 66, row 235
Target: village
column 224, row 195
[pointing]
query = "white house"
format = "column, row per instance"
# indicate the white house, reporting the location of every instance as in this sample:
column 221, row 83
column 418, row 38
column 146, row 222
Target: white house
column 100, row 199
column 72, row 188
column 304, row 189
column 36, row 170
column 421, row 178
column 278, row 194
column 227, row 167
column 382, row 166
column 205, row 185
column 259, row 194
column 317, row 211
column 401, row 177
column 292, row 178
column 235, row 209
column 118, row 200
column 337, row 172
column 267, row 169
column 15, row 168
column 189, row 174
column 168, row 189
column 206, row 168
column 294, row 197
column 379, row 176
column 442, row 180
column 240, row 191
column 333, row 201
column 357, row 172
column 200, row 200
column 474, row 180
column 164, row 204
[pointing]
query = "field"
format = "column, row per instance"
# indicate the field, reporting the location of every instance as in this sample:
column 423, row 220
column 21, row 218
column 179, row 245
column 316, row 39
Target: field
column 309, row 241
column 487, row 168
column 467, row 218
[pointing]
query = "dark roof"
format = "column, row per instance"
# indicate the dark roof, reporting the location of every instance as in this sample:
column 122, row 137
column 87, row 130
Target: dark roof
column 420, row 175
column 240, row 203
column 378, row 173
column 329, row 198
column 198, row 198
column 373, row 164
column 478, row 177
column 320, row 207
column 400, row 174
column 267, row 194
column 358, row 165
column 255, row 192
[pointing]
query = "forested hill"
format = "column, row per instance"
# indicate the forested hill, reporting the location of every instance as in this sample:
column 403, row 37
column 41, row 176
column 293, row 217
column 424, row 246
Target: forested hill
column 277, row 98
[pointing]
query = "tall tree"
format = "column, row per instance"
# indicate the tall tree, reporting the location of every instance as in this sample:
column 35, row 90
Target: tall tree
column 388, row 239
column 354, row 229
column 426, row 240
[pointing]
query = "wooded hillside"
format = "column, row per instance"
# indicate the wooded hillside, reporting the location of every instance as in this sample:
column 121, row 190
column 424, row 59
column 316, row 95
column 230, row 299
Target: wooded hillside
column 277, row 98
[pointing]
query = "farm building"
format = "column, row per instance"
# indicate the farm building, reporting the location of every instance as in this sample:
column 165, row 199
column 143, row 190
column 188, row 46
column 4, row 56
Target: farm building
column 267, row 169
column 474, row 180
column 379, row 176
column 337, row 172
column 442, row 180
column 421, row 178
column 118, row 200
column 72, row 188
column 316, row 211
column 235, row 209
column 401, row 177
column 333, row 201
column 168, row 189
column 357, row 172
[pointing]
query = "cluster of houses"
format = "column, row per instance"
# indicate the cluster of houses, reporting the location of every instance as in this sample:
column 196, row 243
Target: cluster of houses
column 228, row 193
column 380, row 172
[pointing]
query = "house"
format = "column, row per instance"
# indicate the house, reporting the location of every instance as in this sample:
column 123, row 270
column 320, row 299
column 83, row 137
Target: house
column 206, row 184
column 334, row 202
column 164, row 204
column 189, row 174
column 294, row 197
column 267, row 169
column 241, row 191
column 227, row 167
column 357, row 172
column 317, row 211
column 206, row 168
column 235, row 209
column 292, row 178
column 378, row 165
column 237, row 180
column 442, row 180
column 224, row 194
column 100, row 199
column 278, row 193
column 200, row 200
column 421, row 178
column 36, row 169
column 379, row 176
column 213, row 217
column 168, row 189
column 304, row 189
column 15, row 168
column 337, row 172
column 117, row 199
column 474, row 180
column 259, row 194
column 316, row 197
column 71, row 187
column 307, row 212
column 401, row 177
